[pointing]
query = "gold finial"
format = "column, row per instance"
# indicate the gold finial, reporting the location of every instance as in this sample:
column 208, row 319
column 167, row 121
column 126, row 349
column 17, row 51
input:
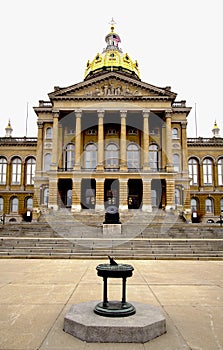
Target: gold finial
column 112, row 24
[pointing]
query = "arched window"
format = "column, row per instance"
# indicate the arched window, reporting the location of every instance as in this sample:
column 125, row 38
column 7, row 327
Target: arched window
column 30, row 171
column 154, row 157
column 91, row 156
column 49, row 133
column 207, row 171
column 3, row 170
column 194, row 204
column 69, row 156
column 220, row 172
column 1, row 205
column 177, row 196
column 133, row 159
column 16, row 171
column 176, row 162
column 29, row 203
column 193, row 171
column 46, row 196
column 14, row 205
column 111, row 156
column 175, row 133
column 209, row 206
column 47, row 161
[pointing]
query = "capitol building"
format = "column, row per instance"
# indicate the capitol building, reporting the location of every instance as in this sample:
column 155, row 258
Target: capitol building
column 111, row 139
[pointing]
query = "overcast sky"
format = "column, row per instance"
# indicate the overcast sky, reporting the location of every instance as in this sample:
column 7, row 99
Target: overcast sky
column 47, row 43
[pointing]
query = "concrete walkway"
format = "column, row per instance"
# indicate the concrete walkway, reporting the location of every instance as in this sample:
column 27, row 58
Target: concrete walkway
column 36, row 294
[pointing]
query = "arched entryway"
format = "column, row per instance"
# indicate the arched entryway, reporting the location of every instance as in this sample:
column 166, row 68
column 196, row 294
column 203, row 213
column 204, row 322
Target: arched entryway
column 111, row 192
column 135, row 190
column 158, row 193
column 65, row 193
column 88, row 191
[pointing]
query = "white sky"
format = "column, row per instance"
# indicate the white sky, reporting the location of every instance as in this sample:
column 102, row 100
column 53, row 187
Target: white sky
column 47, row 43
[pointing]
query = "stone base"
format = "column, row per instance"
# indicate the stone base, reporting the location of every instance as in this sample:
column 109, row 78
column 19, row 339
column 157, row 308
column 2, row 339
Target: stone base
column 112, row 229
column 146, row 324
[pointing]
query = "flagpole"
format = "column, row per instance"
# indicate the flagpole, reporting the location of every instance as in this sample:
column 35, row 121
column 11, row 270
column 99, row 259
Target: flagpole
column 27, row 114
column 195, row 112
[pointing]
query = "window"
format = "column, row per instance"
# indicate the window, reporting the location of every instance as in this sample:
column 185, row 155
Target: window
column 176, row 162
column 220, row 172
column 112, row 156
column 29, row 203
column 49, row 133
column 175, row 133
column 177, row 196
column 16, row 171
column 153, row 157
column 111, row 131
column 209, row 205
column 194, row 204
column 207, row 171
column 91, row 131
column 46, row 195
column 47, row 161
column 30, row 171
column 193, row 171
column 3, row 171
column 91, row 156
column 133, row 159
column 14, row 205
column 132, row 131
column 1, row 205
column 69, row 156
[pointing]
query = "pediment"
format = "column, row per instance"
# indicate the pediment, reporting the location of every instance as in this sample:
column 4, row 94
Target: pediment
column 111, row 85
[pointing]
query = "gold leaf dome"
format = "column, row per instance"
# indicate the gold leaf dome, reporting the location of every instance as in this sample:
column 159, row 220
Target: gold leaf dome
column 112, row 59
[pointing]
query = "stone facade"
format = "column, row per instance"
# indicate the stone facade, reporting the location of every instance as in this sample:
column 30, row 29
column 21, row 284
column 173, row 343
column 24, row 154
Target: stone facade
column 112, row 139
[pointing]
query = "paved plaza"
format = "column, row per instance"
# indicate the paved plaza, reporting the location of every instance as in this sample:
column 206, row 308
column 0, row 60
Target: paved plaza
column 35, row 295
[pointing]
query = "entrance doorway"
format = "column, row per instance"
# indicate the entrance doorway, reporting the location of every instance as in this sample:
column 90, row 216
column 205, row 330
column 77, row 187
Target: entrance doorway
column 135, row 190
column 88, row 191
column 111, row 192
column 158, row 193
column 65, row 193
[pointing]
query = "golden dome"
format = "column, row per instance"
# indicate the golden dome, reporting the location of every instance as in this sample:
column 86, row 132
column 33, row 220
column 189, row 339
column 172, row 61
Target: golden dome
column 112, row 59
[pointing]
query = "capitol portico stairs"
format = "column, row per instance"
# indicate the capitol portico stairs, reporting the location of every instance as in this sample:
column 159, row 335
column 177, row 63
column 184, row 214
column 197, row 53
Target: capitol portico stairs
column 155, row 236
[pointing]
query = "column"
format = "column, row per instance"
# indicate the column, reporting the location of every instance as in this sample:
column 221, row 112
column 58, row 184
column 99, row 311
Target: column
column 76, row 196
column 39, row 150
column 147, row 201
column 169, row 163
column 145, row 139
column 100, row 194
column 123, row 163
column 53, row 186
column 123, row 194
column 60, row 146
column 170, row 194
column 184, row 161
column 77, row 166
column 54, row 161
column 100, row 165
column 53, row 193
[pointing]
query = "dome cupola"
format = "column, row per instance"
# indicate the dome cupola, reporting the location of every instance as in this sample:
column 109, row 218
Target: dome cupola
column 112, row 59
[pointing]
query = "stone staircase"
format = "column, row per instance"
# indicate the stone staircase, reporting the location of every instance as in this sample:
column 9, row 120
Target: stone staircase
column 151, row 236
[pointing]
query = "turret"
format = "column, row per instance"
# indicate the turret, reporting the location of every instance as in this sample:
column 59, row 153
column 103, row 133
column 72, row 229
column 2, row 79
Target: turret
column 215, row 130
column 8, row 130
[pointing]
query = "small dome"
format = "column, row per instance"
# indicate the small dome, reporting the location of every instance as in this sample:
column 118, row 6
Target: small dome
column 112, row 59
